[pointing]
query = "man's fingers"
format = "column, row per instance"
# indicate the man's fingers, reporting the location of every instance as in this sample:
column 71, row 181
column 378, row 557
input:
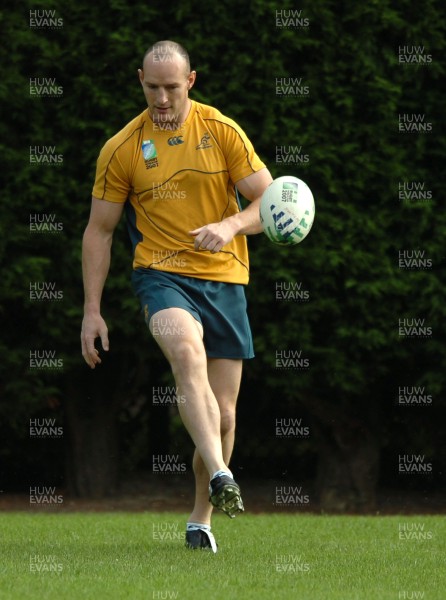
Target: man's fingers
column 104, row 340
column 89, row 352
column 213, row 243
column 198, row 237
column 212, row 237
column 85, row 351
column 93, row 327
column 205, row 241
column 195, row 231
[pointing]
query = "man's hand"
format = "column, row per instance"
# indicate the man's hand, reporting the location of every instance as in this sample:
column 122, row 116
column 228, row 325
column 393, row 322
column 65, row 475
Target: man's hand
column 93, row 326
column 214, row 236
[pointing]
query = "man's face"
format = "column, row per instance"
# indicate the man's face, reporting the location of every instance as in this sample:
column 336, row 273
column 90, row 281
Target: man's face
column 166, row 84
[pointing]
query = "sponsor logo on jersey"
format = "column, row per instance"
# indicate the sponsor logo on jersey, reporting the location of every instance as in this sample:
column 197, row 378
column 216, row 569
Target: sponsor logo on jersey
column 174, row 141
column 149, row 153
column 204, row 142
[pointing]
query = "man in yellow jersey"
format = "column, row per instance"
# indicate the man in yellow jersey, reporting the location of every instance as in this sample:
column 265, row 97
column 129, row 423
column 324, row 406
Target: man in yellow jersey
column 176, row 169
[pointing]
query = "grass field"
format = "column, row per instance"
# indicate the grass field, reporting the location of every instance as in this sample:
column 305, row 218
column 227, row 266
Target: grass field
column 140, row 556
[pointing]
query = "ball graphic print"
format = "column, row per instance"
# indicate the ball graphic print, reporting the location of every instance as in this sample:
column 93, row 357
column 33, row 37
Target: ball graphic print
column 287, row 210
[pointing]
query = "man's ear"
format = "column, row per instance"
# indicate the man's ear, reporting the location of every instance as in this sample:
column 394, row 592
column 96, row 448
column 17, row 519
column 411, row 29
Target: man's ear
column 191, row 79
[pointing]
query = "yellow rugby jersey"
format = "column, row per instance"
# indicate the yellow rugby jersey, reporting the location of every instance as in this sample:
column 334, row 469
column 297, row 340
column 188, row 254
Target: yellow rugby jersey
column 174, row 181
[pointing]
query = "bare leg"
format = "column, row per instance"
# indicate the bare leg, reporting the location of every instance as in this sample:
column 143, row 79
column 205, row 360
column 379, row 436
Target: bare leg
column 179, row 336
column 224, row 377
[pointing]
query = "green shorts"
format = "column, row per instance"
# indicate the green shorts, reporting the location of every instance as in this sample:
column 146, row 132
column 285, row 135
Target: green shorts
column 219, row 307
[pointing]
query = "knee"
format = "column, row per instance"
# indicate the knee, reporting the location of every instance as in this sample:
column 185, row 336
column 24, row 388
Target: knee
column 227, row 422
column 186, row 358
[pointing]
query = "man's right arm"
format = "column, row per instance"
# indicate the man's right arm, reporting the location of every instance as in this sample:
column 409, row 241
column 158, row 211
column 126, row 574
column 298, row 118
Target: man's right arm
column 96, row 247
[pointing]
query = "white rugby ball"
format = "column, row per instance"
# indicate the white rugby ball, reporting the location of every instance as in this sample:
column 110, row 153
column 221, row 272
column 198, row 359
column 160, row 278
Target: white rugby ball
column 287, row 210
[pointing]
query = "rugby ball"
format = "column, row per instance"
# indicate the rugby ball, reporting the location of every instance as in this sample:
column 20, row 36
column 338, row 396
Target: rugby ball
column 287, row 210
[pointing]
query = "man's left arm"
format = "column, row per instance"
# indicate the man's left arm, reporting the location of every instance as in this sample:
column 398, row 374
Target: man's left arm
column 214, row 236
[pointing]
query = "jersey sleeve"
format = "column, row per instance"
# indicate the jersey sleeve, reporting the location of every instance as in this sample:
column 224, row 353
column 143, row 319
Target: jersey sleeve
column 112, row 182
column 241, row 158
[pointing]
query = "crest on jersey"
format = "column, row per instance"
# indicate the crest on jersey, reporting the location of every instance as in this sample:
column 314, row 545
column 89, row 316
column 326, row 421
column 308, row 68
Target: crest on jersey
column 149, row 154
column 204, row 142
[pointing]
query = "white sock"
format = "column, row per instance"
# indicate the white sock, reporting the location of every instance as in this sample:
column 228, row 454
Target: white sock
column 222, row 472
column 191, row 526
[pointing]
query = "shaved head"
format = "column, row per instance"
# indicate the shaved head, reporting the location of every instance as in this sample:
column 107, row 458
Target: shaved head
column 166, row 79
column 165, row 51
